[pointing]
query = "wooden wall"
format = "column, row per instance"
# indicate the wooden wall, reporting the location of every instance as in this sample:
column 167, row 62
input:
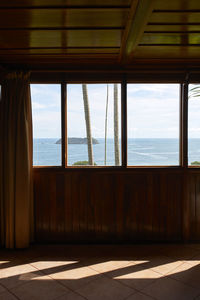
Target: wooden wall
column 194, row 204
column 115, row 205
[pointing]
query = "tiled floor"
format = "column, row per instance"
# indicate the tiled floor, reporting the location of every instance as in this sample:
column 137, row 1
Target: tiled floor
column 113, row 272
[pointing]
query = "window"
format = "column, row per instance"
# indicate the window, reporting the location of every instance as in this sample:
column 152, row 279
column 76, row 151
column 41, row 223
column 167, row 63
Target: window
column 194, row 125
column 153, row 124
column 94, row 124
column 46, row 108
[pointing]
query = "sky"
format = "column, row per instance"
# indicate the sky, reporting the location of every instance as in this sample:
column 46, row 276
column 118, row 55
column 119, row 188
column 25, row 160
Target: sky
column 153, row 111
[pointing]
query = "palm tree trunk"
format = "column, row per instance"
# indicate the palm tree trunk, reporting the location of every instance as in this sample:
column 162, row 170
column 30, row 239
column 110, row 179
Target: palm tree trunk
column 88, row 125
column 116, row 126
column 106, row 123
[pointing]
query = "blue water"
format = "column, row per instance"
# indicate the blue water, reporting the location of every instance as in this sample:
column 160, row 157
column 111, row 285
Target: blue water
column 141, row 152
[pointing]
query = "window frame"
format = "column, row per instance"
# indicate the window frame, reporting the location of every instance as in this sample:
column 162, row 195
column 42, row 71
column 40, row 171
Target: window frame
column 63, row 78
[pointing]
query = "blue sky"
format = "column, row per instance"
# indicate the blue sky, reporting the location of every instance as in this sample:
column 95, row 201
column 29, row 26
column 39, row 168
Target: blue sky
column 153, row 111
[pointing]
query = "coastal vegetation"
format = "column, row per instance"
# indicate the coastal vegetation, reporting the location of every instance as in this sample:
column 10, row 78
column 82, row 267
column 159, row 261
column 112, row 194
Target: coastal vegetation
column 195, row 163
column 82, row 163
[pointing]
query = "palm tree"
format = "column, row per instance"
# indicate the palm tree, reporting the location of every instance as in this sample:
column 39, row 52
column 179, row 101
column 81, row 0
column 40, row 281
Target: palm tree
column 88, row 124
column 106, row 123
column 116, row 126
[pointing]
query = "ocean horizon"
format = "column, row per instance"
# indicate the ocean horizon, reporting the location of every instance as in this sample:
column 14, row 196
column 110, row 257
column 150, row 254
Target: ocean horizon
column 141, row 152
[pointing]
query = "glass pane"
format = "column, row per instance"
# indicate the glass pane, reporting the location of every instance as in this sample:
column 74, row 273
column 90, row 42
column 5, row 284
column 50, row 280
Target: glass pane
column 93, row 139
column 194, row 125
column 153, row 124
column 46, row 108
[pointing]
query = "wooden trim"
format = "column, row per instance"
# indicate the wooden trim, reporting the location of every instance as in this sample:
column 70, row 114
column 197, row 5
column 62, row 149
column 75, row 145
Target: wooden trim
column 185, row 124
column 64, row 123
column 63, row 28
column 124, row 122
column 170, row 45
column 110, row 169
column 74, row 7
column 172, row 11
column 128, row 28
column 139, row 19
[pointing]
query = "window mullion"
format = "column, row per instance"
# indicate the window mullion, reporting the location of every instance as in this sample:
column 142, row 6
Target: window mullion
column 64, row 123
column 124, row 122
column 184, row 125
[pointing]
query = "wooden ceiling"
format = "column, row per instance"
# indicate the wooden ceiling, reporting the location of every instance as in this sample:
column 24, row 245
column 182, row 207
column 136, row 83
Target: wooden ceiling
column 122, row 33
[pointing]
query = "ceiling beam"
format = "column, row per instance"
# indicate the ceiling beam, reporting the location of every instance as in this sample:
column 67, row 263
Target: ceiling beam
column 138, row 18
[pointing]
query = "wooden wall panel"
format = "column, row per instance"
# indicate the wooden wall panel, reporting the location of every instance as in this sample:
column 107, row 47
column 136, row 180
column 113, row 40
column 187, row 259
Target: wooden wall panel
column 194, row 200
column 99, row 205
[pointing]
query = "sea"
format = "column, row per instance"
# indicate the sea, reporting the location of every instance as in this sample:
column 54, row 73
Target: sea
column 141, row 152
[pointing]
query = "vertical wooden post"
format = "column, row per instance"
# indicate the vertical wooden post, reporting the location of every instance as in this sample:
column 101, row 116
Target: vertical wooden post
column 184, row 160
column 124, row 122
column 184, row 126
column 64, row 123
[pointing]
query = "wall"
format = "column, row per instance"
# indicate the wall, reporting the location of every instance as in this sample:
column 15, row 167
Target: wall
column 116, row 205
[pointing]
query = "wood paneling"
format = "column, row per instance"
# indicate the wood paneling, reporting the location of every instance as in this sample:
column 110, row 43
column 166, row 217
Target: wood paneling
column 170, row 38
column 175, row 17
column 194, row 201
column 51, row 38
column 42, row 33
column 168, row 52
column 53, row 3
column 106, row 205
column 59, row 18
column 176, row 4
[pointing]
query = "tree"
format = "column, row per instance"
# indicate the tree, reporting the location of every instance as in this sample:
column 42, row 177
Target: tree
column 106, row 123
column 88, row 124
column 116, row 126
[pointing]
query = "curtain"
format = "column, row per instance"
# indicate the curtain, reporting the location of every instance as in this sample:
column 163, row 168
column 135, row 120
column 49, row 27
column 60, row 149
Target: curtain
column 16, row 189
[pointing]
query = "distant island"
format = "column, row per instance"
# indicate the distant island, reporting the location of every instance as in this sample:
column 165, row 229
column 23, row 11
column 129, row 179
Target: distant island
column 74, row 140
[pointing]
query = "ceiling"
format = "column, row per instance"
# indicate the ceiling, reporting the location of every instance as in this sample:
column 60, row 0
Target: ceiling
column 121, row 33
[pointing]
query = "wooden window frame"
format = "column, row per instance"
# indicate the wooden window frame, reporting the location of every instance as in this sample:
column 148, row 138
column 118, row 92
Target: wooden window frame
column 64, row 78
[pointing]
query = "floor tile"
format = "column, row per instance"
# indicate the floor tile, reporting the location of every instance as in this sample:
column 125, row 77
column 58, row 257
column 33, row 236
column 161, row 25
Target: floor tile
column 179, row 252
column 139, row 280
column 163, row 264
column 194, row 261
column 105, row 289
column 188, row 274
column 2, row 289
column 43, row 288
column 108, row 266
column 71, row 296
column 193, row 245
column 132, row 266
column 167, row 288
column 51, row 266
column 76, row 277
column 139, row 296
column 17, row 275
column 7, row 296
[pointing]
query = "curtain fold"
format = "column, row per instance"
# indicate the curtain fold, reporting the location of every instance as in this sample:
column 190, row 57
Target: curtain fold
column 16, row 196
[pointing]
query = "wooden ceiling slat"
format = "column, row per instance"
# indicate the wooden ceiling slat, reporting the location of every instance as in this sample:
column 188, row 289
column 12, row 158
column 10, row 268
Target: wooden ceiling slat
column 172, row 28
column 170, row 38
column 88, row 38
column 175, row 17
column 177, row 4
column 43, row 51
column 77, row 31
column 54, row 3
column 167, row 52
column 60, row 51
column 63, row 18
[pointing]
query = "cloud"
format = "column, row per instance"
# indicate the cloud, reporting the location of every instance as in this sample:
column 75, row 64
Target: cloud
column 36, row 105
